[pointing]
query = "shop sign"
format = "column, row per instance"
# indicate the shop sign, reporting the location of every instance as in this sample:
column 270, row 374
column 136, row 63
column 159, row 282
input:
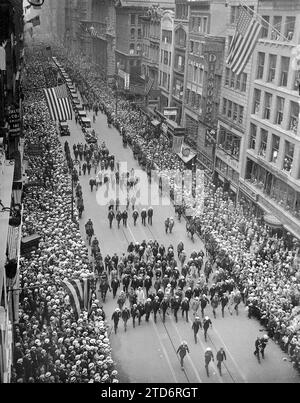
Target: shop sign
column 212, row 58
column 14, row 121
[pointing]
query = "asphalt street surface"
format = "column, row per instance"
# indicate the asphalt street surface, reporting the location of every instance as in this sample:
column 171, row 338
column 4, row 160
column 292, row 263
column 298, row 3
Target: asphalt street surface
column 148, row 352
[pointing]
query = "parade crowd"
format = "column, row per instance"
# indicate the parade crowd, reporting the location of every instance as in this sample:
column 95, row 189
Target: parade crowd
column 52, row 345
column 263, row 266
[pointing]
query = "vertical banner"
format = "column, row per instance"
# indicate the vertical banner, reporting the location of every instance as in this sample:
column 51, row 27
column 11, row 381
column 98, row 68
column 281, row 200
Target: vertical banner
column 177, row 143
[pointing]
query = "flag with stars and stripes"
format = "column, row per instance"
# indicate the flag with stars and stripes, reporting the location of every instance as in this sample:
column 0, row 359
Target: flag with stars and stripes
column 244, row 41
column 58, row 103
column 149, row 86
column 80, row 293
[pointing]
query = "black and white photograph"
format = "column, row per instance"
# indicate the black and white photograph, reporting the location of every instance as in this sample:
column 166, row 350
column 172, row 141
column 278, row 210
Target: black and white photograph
column 149, row 194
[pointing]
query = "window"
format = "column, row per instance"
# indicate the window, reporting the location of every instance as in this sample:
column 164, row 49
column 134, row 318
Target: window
column 166, row 36
column 187, row 96
column 139, row 49
column 132, row 19
column 275, row 148
column 161, row 55
column 267, row 110
column 294, row 117
column 195, row 74
column 197, row 48
column 244, row 82
column 277, row 21
column 241, row 115
column 260, row 65
column 132, row 33
column 139, row 33
column 232, row 79
column 272, row 68
column 285, row 64
column 224, row 106
column 227, row 76
column 204, row 29
column 238, row 82
column 263, row 142
column 235, row 112
column 252, row 140
column 160, row 73
column 191, row 46
column 256, row 104
column 131, row 49
column 279, row 111
column 288, row 157
column 198, row 101
column 234, row 14
column 289, row 27
column 265, row 26
column 168, row 82
column 166, row 57
column 193, row 99
column 229, row 110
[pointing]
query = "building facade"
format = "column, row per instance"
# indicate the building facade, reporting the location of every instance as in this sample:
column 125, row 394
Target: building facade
column 234, row 104
column 205, row 55
column 271, row 169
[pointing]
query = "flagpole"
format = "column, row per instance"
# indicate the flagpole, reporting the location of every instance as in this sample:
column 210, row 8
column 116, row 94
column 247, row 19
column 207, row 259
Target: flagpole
column 263, row 20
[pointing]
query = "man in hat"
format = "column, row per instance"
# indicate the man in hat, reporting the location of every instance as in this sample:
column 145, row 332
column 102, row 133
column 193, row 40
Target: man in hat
column 116, row 317
column 125, row 217
column 206, row 323
column 135, row 216
column 208, row 356
column 221, row 356
column 150, row 215
column 182, row 351
column 111, row 216
column 196, row 326
column 144, row 216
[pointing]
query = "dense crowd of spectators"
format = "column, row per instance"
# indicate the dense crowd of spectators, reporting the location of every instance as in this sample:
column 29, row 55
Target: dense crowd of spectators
column 52, row 345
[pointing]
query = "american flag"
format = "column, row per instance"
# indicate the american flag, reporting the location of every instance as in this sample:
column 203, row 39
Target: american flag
column 244, row 41
column 80, row 293
column 58, row 103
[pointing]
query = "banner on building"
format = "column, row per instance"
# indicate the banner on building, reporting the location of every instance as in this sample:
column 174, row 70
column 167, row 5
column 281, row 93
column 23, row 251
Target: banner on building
column 177, row 143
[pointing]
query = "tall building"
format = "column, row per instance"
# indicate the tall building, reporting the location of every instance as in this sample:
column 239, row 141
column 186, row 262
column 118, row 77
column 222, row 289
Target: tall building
column 205, row 55
column 234, row 104
column 271, row 168
column 166, row 58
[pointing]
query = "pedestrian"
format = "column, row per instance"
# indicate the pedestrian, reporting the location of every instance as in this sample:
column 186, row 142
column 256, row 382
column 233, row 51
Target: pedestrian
column 133, row 201
column 121, row 300
column 148, row 308
column 164, row 307
column 224, row 302
column 84, row 168
column 89, row 167
column 206, row 323
column 119, row 218
column 115, row 284
column 135, row 216
column 92, row 183
column 150, row 215
column 195, row 306
column 257, row 349
column 140, row 295
column 125, row 217
column 171, row 224
column 144, row 216
column 196, row 326
column 156, row 306
column 116, row 317
column 141, row 311
column 125, row 317
column 221, row 356
column 134, row 313
column 203, row 303
column 111, row 216
column 185, row 307
column 215, row 304
column 208, row 356
column 167, row 223
column 263, row 344
column 126, row 282
column 182, row 351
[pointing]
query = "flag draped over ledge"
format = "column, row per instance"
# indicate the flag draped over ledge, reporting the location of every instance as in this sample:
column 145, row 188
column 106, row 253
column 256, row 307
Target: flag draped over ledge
column 80, row 293
column 58, row 103
column 244, row 41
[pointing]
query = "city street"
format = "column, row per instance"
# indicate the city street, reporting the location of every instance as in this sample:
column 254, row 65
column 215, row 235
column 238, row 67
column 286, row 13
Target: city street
column 148, row 352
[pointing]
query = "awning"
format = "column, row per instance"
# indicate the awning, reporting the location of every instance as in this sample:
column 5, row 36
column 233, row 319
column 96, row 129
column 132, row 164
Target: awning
column 272, row 221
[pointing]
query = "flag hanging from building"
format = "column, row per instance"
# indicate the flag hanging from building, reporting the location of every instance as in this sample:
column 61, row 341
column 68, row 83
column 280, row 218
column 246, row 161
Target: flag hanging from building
column 244, row 41
column 80, row 293
column 149, row 86
column 35, row 21
column 58, row 103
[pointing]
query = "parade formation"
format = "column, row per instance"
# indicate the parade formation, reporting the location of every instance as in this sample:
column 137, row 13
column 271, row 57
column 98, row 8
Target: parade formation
column 241, row 265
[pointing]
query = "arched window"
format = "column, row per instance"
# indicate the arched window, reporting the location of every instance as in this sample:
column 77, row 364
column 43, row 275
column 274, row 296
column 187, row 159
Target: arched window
column 132, row 33
column 131, row 49
column 180, row 38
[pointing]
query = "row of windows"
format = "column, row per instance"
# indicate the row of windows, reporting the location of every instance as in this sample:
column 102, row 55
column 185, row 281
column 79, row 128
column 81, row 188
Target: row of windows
column 133, row 33
column 199, row 24
column 181, row 11
column 234, row 81
column 133, row 49
column 272, row 156
column 282, row 25
column 196, row 74
column 233, row 111
column 265, row 112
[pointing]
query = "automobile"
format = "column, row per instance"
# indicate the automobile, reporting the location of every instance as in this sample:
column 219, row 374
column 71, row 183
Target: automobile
column 86, row 123
column 64, row 129
column 90, row 136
